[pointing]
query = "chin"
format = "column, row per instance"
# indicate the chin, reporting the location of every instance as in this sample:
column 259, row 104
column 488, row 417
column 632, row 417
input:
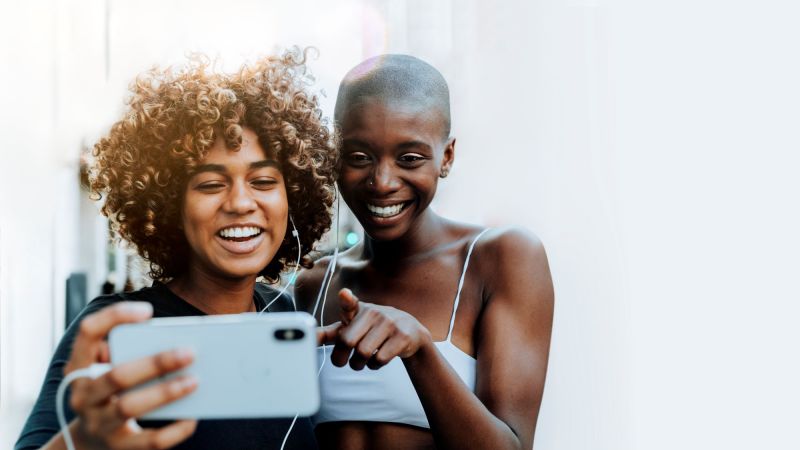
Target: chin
column 242, row 269
column 386, row 234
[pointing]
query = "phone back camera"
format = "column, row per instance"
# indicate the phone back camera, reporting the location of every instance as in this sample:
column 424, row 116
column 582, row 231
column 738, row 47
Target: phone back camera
column 289, row 334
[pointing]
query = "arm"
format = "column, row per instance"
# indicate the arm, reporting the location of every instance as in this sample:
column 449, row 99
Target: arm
column 104, row 413
column 513, row 340
column 42, row 423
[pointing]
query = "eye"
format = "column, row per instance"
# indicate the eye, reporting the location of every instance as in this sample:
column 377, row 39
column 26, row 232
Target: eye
column 411, row 159
column 358, row 159
column 264, row 183
column 211, row 186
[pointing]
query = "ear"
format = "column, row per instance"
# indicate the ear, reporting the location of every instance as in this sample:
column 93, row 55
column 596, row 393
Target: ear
column 448, row 158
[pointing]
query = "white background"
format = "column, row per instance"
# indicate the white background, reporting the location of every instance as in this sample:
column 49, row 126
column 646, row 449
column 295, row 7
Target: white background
column 653, row 146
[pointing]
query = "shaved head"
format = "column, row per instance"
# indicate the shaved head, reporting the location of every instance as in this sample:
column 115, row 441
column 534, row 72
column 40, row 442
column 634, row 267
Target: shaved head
column 395, row 79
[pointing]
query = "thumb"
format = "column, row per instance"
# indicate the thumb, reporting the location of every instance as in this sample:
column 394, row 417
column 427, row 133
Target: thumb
column 327, row 335
column 348, row 306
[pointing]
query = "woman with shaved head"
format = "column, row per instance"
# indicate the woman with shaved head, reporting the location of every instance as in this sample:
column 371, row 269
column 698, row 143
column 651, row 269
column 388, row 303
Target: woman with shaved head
column 451, row 321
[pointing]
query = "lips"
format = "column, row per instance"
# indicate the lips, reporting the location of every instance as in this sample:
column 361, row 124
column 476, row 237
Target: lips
column 387, row 213
column 240, row 239
column 237, row 232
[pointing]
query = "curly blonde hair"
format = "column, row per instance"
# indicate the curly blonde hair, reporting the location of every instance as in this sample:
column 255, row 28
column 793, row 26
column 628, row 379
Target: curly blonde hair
column 142, row 166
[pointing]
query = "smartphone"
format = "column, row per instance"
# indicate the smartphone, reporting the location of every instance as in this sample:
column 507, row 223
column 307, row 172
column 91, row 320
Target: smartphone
column 246, row 365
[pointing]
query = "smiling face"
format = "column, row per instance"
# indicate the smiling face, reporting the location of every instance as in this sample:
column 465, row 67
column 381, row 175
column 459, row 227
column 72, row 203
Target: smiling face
column 392, row 156
column 235, row 210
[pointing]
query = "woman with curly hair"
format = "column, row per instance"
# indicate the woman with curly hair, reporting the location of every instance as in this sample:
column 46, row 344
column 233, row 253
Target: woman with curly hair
column 202, row 176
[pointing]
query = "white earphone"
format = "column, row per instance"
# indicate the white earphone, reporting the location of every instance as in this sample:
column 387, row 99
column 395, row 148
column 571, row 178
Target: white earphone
column 294, row 273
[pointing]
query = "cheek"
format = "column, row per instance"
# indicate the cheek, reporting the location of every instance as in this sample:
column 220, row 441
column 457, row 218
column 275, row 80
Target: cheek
column 424, row 182
column 350, row 176
column 275, row 204
column 195, row 216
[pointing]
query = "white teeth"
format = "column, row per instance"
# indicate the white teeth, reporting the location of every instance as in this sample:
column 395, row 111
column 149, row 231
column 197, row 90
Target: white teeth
column 239, row 232
column 385, row 211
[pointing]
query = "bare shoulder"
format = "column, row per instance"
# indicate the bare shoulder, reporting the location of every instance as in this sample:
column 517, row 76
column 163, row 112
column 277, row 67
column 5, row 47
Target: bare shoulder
column 309, row 281
column 511, row 245
column 514, row 259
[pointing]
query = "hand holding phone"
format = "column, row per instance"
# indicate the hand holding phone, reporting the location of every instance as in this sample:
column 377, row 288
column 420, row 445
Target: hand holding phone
column 246, row 365
column 105, row 411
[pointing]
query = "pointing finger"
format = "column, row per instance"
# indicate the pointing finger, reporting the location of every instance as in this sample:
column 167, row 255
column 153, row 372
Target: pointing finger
column 348, row 306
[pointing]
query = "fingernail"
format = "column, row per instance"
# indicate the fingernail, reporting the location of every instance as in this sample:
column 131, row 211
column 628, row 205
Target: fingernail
column 182, row 384
column 183, row 354
column 188, row 382
column 137, row 307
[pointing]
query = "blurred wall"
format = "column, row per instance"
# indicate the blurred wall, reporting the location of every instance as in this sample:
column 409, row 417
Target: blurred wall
column 52, row 83
column 651, row 145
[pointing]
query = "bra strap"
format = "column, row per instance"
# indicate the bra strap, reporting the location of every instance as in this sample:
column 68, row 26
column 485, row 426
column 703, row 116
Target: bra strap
column 461, row 283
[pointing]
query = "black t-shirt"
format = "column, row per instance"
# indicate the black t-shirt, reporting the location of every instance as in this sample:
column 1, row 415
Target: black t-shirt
column 242, row 434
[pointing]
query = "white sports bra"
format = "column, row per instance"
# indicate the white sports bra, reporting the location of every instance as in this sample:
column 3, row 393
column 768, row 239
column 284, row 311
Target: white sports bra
column 386, row 394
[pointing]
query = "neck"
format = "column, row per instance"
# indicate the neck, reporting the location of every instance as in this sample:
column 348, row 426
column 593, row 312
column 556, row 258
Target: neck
column 213, row 294
column 423, row 237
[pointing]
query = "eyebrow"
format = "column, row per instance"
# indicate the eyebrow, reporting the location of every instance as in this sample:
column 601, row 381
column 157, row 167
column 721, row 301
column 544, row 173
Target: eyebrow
column 265, row 163
column 219, row 168
column 414, row 144
column 355, row 142
column 402, row 146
